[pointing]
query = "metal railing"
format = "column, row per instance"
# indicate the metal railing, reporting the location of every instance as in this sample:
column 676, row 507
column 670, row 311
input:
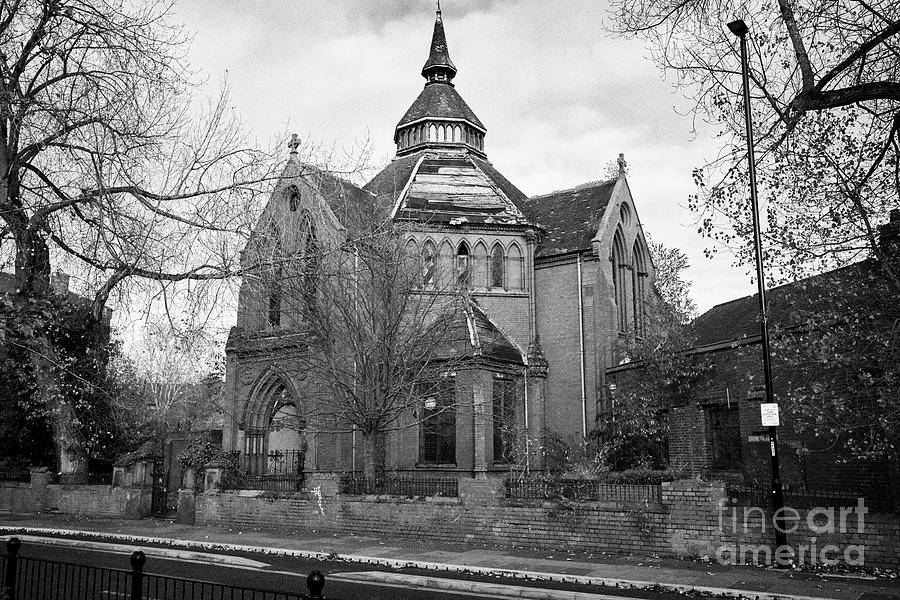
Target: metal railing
column 15, row 475
column 582, row 490
column 761, row 496
column 33, row 579
column 276, row 471
column 86, row 478
column 399, row 485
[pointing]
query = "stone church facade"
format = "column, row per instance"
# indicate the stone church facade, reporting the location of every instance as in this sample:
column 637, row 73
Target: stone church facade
column 553, row 282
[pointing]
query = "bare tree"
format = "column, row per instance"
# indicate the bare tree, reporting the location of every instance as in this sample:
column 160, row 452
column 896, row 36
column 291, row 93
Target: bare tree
column 109, row 167
column 384, row 325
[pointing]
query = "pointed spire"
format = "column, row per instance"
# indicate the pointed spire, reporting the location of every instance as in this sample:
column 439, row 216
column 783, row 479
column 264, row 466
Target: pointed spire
column 439, row 67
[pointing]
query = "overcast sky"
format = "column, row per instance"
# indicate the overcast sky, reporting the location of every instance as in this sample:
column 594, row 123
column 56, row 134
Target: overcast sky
column 559, row 95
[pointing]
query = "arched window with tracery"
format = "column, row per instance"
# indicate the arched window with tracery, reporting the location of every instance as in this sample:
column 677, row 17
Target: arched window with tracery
column 515, row 267
column 480, row 278
column 463, row 275
column 429, row 264
column 497, row 267
column 617, row 258
column 311, row 258
column 639, row 276
column 292, row 194
column 273, row 439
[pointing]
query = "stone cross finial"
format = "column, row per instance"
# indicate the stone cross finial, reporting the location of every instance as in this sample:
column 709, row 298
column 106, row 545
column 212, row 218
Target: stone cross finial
column 622, row 164
column 294, row 143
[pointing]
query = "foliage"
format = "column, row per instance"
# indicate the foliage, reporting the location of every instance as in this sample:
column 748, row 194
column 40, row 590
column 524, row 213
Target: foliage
column 199, row 453
column 825, row 100
column 88, row 388
column 108, row 169
column 841, row 360
column 674, row 291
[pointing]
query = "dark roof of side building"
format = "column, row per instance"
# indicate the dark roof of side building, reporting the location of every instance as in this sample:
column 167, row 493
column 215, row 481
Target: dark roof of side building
column 569, row 217
column 474, row 335
column 739, row 319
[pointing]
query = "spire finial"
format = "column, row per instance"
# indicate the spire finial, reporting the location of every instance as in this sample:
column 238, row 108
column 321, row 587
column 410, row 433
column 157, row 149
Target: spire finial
column 623, row 166
column 439, row 67
column 294, row 143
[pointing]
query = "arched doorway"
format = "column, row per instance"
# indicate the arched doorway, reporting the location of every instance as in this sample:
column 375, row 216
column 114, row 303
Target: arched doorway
column 274, row 443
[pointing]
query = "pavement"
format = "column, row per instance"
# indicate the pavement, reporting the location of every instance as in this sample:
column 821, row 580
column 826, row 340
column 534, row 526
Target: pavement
column 605, row 569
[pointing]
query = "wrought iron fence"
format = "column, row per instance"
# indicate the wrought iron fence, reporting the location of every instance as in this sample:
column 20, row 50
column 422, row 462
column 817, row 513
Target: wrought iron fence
column 753, row 495
column 15, row 475
column 583, row 490
column 86, row 478
column 400, row 485
column 29, row 578
column 277, row 471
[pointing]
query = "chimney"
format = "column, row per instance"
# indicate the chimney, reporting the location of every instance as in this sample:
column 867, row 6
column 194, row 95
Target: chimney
column 889, row 235
column 59, row 283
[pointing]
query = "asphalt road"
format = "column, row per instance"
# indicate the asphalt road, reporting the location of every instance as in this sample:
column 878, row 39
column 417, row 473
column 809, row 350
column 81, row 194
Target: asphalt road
column 344, row 580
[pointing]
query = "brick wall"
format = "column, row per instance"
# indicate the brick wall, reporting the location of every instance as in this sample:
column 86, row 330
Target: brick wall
column 17, row 498
column 691, row 520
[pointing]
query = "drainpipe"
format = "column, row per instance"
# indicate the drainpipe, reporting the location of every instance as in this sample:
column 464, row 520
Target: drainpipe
column 581, row 350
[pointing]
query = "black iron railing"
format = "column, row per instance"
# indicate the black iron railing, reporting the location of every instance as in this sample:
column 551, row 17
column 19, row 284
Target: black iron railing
column 15, row 475
column 86, row 478
column 802, row 498
column 276, row 471
column 582, row 490
column 29, row 578
column 400, row 485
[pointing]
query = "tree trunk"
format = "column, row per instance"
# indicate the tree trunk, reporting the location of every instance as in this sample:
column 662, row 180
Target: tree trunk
column 69, row 446
column 373, row 454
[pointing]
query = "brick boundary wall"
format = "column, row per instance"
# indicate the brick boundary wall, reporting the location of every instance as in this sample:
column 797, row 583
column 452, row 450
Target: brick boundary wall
column 688, row 522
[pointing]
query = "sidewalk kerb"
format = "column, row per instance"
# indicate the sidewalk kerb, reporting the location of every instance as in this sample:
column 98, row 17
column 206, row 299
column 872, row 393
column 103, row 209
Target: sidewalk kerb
column 418, row 564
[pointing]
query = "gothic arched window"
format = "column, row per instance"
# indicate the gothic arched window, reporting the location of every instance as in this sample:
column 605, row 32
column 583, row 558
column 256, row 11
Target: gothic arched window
column 515, row 266
column 463, row 276
column 480, row 278
column 293, row 197
column 311, row 258
column 496, row 270
column 429, row 264
column 639, row 276
column 617, row 258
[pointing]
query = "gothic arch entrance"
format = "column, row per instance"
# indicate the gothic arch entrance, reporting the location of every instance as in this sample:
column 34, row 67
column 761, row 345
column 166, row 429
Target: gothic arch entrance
column 274, row 449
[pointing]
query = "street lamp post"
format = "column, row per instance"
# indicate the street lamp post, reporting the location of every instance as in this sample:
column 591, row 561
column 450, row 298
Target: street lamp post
column 739, row 28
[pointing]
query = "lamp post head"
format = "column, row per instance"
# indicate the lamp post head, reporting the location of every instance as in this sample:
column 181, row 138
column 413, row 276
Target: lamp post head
column 738, row 28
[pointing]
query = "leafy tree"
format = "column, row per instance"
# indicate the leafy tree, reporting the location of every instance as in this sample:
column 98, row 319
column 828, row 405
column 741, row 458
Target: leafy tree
column 674, row 291
column 825, row 102
column 840, row 355
column 107, row 167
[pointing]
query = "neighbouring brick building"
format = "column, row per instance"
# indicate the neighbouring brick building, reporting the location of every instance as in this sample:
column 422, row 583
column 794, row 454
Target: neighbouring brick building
column 719, row 433
column 553, row 281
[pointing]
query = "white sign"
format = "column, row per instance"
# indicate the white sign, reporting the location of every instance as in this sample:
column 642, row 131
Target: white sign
column 769, row 413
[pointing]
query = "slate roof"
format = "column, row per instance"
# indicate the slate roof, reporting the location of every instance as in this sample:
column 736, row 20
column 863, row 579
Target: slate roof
column 439, row 100
column 570, row 218
column 439, row 55
column 474, row 335
column 448, row 187
column 739, row 319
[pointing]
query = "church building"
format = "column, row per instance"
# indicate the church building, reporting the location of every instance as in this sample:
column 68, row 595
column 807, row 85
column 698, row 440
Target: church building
column 553, row 283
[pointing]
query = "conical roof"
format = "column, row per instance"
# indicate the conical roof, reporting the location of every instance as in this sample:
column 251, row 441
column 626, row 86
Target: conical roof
column 439, row 57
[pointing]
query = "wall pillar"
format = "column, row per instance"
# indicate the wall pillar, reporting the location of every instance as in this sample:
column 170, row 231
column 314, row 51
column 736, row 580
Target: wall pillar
column 480, row 396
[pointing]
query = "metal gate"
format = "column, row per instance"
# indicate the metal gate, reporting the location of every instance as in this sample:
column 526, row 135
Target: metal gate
column 159, row 500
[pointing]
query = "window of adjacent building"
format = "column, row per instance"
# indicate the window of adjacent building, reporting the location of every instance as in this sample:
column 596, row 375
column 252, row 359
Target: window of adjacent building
column 505, row 427
column 437, row 429
column 497, row 260
column 463, row 274
column 724, row 437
